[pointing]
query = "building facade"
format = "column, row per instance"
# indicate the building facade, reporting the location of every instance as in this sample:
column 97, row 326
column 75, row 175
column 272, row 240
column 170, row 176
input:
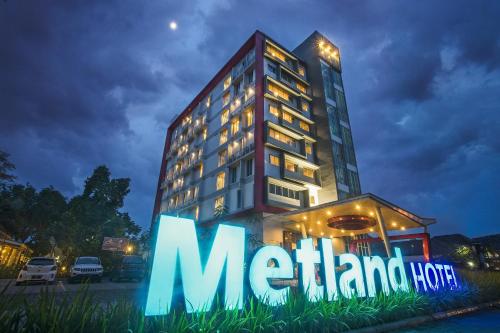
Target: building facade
column 269, row 134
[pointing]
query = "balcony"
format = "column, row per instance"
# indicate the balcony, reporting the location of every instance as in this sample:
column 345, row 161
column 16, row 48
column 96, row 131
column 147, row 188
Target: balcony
column 298, row 176
column 236, row 154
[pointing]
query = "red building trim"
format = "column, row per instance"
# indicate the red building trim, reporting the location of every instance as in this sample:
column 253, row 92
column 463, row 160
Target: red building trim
column 259, row 123
column 237, row 57
column 424, row 236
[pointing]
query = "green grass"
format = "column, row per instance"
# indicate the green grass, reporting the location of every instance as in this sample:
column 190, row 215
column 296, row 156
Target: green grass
column 80, row 313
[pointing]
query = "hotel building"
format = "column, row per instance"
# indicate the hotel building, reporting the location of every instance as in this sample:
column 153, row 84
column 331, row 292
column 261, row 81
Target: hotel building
column 267, row 144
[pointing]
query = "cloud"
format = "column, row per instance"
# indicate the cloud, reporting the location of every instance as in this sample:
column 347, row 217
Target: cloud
column 86, row 83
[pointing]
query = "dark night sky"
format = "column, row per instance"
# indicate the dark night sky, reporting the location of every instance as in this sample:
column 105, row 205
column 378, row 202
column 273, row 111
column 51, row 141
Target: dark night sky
column 92, row 83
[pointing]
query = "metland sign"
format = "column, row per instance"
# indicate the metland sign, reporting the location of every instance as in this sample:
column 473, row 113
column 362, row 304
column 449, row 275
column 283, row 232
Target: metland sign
column 177, row 254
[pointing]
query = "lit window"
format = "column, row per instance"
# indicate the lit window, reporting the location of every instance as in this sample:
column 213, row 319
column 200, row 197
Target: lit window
column 273, row 109
column 249, row 117
column 201, row 170
column 278, row 92
column 302, row 71
column 287, row 117
column 235, row 126
column 223, row 136
column 312, row 200
column 304, row 126
column 222, row 157
column 281, row 137
column 226, row 98
column 308, row 149
column 274, row 160
column 227, row 82
column 275, row 53
column 224, row 117
column 308, row 172
column 301, row 87
column 207, row 103
column 196, row 212
column 204, row 134
column 305, row 106
column 290, row 166
column 219, row 185
column 219, row 202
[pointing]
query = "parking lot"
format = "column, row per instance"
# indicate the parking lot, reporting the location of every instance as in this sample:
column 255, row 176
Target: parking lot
column 104, row 291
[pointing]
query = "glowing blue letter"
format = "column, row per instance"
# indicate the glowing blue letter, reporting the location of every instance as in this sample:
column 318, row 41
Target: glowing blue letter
column 260, row 272
column 177, row 238
column 392, row 265
column 373, row 264
column 306, row 257
column 353, row 274
column 328, row 270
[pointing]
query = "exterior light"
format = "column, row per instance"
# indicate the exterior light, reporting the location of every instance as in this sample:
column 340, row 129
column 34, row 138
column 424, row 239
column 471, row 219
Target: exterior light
column 129, row 248
column 310, row 230
column 173, row 25
column 470, row 263
column 371, row 214
column 394, row 224
column 331, row 236
column 352, row 234
column 297, row 225
column 371, row 229
column 322, row 233
column 318, row 222
column 304, row 218
column 358, row 207
column 328, row 213
column 403, row 228
column 342, row 230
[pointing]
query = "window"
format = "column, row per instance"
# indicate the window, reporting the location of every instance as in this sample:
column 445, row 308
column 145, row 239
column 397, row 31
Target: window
column 272, row 188
column 222, row 157
column 273, row 109
column 274, row 160
column 224, row 117
column 304, row 126
column 204, row 134
column 312, row 200
column 301, row 70
column 237, row 87
column 197, row 212
column 308, row 172
column 275, row 53
column 219, row 202
column 301, row 87
column 249, row 167
column 249, row 117
column 223, row 136
column 208, row 102
column 235, row 126
column 219, row 185
column 239, row 198
column 308, row 149
column 227, row 82
column 271, row 68
column 278, row 92
column 290, row 166
column 305, row 106
column 233, row 174
column 282, row 137
column 201, row 170
column 287, row 117
column 226, row 98
column 249, row 77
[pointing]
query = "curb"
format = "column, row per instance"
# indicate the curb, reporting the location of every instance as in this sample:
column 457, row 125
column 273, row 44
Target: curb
column 410, row 322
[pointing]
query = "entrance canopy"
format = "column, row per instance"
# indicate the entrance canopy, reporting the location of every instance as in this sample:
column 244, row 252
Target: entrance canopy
column 363, row 214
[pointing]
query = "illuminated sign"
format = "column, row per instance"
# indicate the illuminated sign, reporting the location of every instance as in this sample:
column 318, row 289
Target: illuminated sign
column 177, row 258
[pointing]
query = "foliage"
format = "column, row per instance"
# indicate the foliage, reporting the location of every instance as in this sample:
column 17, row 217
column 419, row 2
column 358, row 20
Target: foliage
column 5, row 168
column 50, row 224
column 82, row 314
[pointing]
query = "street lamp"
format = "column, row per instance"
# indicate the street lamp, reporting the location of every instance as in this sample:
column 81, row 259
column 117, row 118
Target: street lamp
column 130, row 248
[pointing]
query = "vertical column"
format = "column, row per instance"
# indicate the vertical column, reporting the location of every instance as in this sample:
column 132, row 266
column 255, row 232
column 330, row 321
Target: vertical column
column 303, row 230
column 426, row 247
column 259, row 123
column 383, row 231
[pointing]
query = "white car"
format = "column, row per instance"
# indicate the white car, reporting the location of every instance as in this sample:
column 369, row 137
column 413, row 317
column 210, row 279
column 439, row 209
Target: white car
column 38, row 269
column 86, row 268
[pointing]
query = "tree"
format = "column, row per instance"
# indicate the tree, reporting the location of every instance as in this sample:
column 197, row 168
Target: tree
column 5, row 167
